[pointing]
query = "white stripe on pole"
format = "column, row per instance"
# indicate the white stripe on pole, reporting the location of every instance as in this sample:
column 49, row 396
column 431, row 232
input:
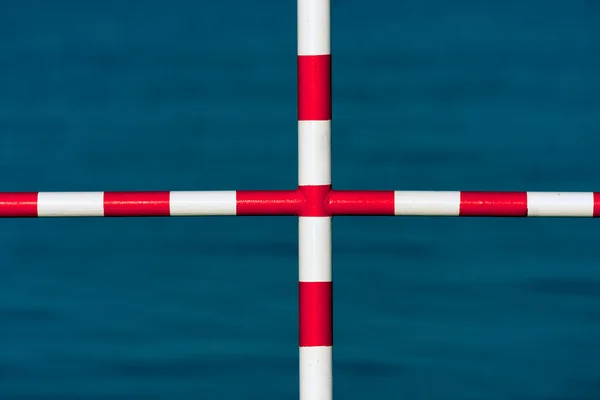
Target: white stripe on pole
column 71, row 204
column 313, row 27
column 314, row 152
column 426, row 203
column 316, row 381
column 203, row 203
column 556, row 204
column 314, row 249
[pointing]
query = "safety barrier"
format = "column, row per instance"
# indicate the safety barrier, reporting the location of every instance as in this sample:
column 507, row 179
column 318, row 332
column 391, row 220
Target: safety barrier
column 314, row 202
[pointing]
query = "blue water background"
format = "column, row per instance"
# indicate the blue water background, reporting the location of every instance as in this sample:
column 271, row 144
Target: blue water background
column 176, row 95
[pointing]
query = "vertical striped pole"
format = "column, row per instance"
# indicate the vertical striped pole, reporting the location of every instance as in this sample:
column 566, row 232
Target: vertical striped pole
column 314, row 180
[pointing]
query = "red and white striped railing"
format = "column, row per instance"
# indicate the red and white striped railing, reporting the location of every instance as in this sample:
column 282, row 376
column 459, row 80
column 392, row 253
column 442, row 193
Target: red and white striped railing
column 305, row 201
column 314, row 202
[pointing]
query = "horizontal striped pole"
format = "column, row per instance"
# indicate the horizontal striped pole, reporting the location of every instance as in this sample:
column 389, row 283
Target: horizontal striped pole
column 149, row 204
column 305, row 201
column 465, row 203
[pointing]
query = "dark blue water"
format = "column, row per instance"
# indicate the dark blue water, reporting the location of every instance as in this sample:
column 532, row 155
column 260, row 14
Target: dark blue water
column 174, row 95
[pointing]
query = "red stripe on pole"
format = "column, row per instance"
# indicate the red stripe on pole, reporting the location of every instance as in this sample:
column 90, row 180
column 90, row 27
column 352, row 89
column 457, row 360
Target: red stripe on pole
column 268, row 202
column 18, row 204
column 315, row 312
column 596, row 204
column 361, row 202
column 314, row 200
column 493, row 204
column 314, row 88
column 136, row 204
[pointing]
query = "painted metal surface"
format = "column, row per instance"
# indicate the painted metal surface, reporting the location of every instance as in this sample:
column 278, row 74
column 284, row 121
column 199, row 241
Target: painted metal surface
column 314, row 183
column 314, row 202
column 308, row 200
